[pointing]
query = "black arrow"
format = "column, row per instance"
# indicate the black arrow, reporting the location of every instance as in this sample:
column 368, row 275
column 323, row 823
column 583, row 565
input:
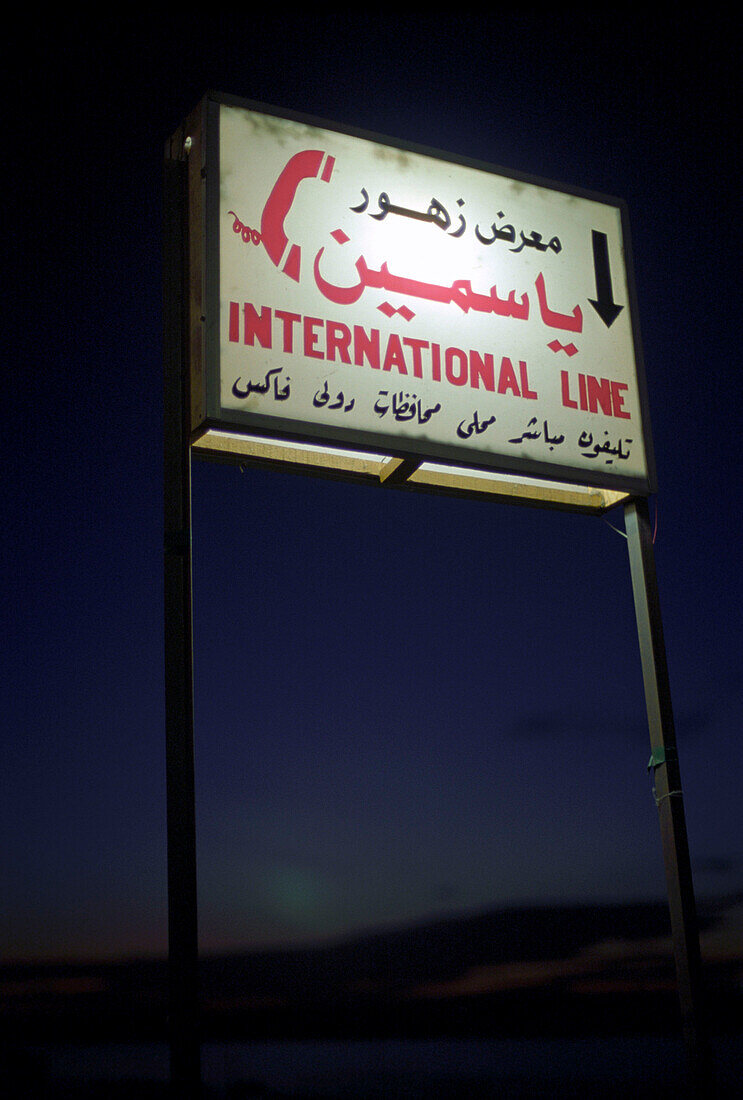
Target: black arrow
column 604, row 303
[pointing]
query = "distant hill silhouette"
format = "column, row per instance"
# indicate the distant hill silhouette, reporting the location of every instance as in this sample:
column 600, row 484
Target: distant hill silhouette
column 545, row 970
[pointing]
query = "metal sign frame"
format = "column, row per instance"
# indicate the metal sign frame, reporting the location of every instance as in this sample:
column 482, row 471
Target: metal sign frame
column 188, row 429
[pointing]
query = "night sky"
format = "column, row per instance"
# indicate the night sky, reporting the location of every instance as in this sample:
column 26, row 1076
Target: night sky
column 406, row 705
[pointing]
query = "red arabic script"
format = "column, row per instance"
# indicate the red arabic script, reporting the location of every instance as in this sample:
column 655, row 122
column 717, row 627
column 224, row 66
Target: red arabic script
column 573, row 323
column 316, row 164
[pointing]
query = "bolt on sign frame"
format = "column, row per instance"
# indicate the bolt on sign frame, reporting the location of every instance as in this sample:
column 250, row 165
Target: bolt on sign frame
column 346, row 305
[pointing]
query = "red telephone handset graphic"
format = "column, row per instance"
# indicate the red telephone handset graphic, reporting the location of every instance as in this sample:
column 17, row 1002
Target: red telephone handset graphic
column 302, row 166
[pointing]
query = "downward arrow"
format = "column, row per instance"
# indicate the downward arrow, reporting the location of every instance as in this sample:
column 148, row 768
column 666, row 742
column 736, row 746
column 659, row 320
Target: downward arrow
column 604, row 303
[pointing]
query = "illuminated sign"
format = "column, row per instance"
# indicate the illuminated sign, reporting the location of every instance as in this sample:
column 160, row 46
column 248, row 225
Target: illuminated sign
column 411, row 310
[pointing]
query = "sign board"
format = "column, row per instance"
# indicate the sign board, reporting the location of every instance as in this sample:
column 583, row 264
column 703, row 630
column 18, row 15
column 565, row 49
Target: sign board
column 379, row 301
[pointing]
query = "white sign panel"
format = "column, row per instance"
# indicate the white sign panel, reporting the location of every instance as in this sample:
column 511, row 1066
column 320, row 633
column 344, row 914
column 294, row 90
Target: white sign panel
column 368, row 292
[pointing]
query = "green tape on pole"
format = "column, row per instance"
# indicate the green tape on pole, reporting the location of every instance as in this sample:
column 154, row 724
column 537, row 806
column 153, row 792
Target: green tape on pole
column 661, row 755
column 658, row 757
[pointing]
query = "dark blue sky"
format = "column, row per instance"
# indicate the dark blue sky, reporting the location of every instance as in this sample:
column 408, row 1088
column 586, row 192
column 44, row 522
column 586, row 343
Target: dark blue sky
column 405, row 705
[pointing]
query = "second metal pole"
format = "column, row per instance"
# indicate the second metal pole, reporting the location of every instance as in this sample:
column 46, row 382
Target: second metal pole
column 668, row 792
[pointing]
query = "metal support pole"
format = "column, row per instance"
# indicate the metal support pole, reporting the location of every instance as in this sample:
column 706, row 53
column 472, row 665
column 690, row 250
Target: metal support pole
column 185, row 1053
column 668, row 792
